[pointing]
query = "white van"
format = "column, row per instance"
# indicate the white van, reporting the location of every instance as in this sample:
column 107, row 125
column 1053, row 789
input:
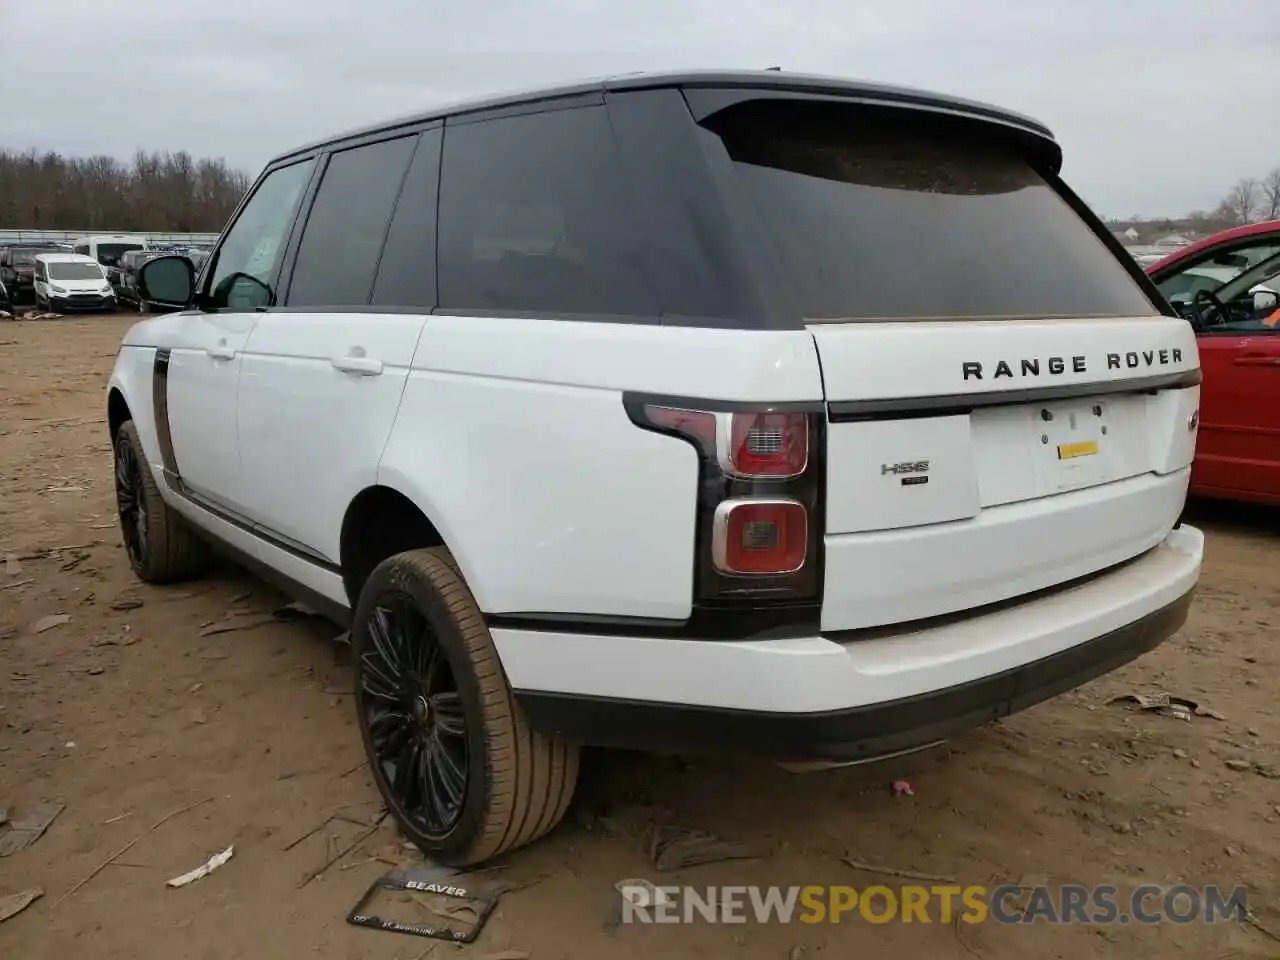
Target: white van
column 107, row 248
column 71, row 281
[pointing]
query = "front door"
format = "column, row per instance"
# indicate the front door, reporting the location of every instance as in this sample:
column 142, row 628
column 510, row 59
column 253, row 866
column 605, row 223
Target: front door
column 323, row 378
column 1231, row 293
column 201, row 370
column 1238, row 451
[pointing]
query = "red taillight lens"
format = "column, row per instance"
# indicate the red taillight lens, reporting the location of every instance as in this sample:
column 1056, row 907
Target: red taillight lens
column 760, row 537
column 768, row 445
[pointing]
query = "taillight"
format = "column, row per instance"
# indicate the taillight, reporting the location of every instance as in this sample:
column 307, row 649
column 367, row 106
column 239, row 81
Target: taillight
column 768, row 444
column 756, row 536
column 759, row 533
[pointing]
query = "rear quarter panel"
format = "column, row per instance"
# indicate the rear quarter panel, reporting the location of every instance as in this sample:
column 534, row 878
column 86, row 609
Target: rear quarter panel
column 513, row 439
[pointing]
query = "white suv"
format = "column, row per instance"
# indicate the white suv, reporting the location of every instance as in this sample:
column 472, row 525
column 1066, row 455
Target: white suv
column 746, row 412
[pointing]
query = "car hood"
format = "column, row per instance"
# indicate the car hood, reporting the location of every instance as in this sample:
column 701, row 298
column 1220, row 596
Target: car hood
column 80, row 286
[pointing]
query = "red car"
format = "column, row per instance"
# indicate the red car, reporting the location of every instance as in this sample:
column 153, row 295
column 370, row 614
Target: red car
column 1228, row 287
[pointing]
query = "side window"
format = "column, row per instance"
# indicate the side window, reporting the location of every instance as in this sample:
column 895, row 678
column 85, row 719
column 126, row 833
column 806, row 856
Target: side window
column 246, row 263
column 534, row 218
column 82, row 248
column 407, row 271
column 1229, row 291
column 347, row 225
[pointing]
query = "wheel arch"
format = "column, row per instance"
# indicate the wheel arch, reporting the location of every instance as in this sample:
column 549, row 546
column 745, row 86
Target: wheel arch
column 118, row 411
column 381, row 521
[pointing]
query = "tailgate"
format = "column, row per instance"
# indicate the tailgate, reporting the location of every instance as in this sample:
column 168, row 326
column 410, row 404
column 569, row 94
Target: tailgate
column 973, row 461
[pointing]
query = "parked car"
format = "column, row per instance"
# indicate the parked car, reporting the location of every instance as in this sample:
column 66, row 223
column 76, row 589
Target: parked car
column 625, row 414
column 17, row 269
column 68, row 282
column 1228, row 286
column 127, row 274
column 130, row 263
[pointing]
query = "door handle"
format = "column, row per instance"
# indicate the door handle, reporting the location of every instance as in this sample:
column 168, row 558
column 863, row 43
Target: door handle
column 358, row 364
column 1257, row 360
column 222, row 351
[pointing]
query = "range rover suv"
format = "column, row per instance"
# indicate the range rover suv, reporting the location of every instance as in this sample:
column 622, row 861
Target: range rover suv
column 689, row 412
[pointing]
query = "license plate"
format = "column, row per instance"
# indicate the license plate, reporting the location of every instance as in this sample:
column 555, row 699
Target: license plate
column 1083, row 448
column 1072, row 446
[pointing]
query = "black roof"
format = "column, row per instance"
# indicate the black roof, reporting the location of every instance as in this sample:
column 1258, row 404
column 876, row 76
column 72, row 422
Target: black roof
column 768, row 80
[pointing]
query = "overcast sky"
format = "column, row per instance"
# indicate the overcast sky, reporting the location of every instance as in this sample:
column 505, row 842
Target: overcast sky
column 1160, row 104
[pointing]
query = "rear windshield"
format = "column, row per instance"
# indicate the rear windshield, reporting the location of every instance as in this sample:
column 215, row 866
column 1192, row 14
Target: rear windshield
column 916, row 217
column 109, row 253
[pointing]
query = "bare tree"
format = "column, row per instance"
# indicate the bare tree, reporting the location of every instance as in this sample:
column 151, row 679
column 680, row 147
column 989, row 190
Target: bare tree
column 1271, row 195
column 1241, row 201
column 162, row 192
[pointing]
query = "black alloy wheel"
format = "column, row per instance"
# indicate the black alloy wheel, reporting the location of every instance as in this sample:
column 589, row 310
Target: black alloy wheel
column 411, row 706
column 131, row 501
column 457, row 765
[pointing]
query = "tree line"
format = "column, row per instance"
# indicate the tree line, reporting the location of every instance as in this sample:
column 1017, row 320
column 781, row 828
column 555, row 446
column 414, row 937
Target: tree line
column 175, row 193
column 162, row 192
column 1250, row 200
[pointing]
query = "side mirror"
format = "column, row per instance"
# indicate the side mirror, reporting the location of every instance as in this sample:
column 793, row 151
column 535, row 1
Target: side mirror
column 168, row 281
column 1264, row 301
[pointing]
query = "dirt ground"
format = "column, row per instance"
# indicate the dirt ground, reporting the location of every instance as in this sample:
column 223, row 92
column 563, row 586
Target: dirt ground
column 136, row 707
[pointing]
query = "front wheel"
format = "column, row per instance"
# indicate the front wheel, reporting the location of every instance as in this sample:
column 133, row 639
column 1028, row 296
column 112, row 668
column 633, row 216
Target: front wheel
column 161, row 546
column 457, row 765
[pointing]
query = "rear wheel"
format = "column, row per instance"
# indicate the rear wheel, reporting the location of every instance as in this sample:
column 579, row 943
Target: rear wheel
column 459, row 768
column 161, row 545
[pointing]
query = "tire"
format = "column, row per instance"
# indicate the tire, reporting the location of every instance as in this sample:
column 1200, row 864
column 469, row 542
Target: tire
column 160, row 544
column 451, row 704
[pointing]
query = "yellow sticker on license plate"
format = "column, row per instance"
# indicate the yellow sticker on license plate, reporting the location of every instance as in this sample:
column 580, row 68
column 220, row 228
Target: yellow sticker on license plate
column 1085, row 448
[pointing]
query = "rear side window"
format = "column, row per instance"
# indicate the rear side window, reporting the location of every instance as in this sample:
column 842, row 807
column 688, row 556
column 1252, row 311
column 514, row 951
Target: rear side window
column 534, row 219
column 880, row 216
column 407, row 270
column 347, row 225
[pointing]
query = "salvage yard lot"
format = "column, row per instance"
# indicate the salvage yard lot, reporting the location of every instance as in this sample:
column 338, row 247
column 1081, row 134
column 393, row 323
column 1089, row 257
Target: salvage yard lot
column 140, row 705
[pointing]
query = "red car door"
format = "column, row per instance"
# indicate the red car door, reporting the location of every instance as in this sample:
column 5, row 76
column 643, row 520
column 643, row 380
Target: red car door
column 1238, row 448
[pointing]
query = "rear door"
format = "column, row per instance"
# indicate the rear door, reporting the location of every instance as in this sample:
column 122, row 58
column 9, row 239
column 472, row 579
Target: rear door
column 323, row 376
column 1008, row 409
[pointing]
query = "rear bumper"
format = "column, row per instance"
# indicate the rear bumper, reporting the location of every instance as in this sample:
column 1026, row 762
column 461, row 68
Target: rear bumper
column 850, row 697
